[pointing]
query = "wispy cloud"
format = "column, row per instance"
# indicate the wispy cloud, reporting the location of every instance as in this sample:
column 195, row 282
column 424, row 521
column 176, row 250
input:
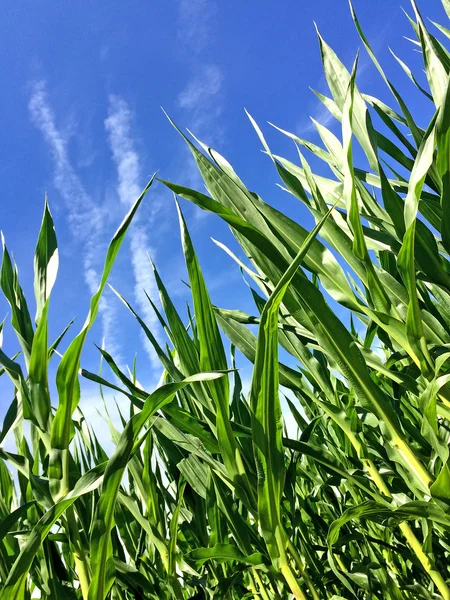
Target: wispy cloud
column 196, row 24
column 205, row 83
column 321, row 114
column 119, row 127
column 92, row 407
column 202, row 97
column 86, row 218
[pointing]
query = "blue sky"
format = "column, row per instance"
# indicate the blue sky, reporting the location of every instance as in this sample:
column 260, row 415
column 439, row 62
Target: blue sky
column 82, row 85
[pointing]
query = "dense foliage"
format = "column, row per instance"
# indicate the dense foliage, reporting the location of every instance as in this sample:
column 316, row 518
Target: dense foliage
column 206, row 495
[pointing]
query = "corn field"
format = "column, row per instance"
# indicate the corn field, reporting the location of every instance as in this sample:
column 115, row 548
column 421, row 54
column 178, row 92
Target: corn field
column 206, row 494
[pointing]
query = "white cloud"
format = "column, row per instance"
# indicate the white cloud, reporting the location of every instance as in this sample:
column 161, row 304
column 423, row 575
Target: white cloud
column 322, row 115
column 196, row 23
column 206, row 82
column 202, row 99
column 93, row 408
column 202, row 96
column 86, row 218
column 119, row 127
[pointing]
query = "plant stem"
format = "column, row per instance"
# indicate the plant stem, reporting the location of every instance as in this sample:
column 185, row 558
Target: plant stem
column 261, row 586
column 410, row 535
column 425, row 561
column 81, row 562
column 291, row 580
column 304, row 573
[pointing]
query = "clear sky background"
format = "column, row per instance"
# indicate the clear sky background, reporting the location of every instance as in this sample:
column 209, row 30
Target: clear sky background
column 82, row 84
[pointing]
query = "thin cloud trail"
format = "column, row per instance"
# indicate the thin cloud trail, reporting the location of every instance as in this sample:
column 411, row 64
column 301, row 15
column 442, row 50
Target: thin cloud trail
column 86, row 219
column 202, row 97
column 195, row 20
column 119, row 127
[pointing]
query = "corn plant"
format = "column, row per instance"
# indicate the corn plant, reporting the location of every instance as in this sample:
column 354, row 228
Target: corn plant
column 207, row 494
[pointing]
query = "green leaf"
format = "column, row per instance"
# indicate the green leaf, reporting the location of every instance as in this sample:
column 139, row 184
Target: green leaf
column 436, row 73
column 406, row 113
column 38, row 372
column 14, row 586
column 443, row 163
column 212, row 357
column 101, row 548
column 441, row 487
column 45, row 262
column 406, row 257
column 67, row 374
column 20, row 316
column 338, row 79
column 446, row 5
column 225, row 553
column 266, row 415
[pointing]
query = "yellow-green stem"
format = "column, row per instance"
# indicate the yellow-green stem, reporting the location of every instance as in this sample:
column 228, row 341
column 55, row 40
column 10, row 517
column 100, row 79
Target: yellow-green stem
column 437, row 578
column 81, row 562
column 252, row 585
column 303, row 572
column 338, row 559
column 261, row 586
column 410, row 535
column 292, row 582
column 412, row 460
